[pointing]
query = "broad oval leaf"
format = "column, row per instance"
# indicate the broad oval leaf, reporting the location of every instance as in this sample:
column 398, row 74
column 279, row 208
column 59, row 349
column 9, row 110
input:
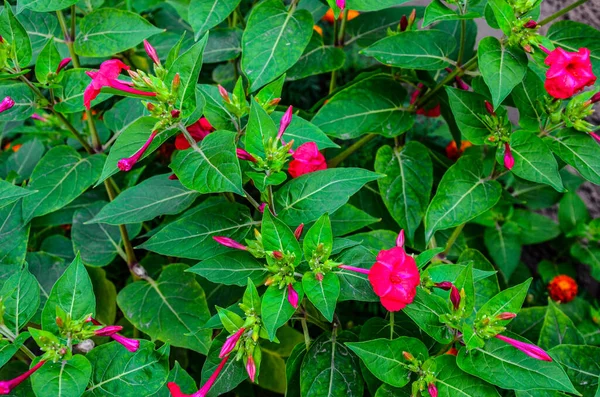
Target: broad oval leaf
column 527, row 97
column 24, row 101
column 223, row 45
column 16, row 35
column 231, row 268
column 322, row 293
column 45, row 5
column 277, row 236
column 47, row 61
column 15, row 234
column 261, row 130
column 317, row 58
column 558, row 329
column 209, row 13
column 504, row 246
column 20, row 296
column 579, row 151
column 276, row 309
column 581, row 364
column 452, row 382
column 63, row 378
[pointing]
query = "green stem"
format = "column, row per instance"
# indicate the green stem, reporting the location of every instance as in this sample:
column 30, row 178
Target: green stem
column 340, row 38
column 452, row 239
column 391, row 325
column 334, row 162
column 249, row 197
column 130, row 254
column 562, row 12
column 459, row 71
column 10, row 336
column 463, row 39
column 306, row 334
column 73, row 131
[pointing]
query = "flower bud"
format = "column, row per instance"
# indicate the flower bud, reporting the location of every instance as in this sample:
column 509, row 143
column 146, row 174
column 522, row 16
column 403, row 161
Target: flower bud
column 134, row 75
column 231, row 342
column 403, row 23
column 63, row 64
column 274, row 102
column 244, row 155
column 319, row 277
column 400, row 239
column 509, row 160
column 229, row 242
column 59, row 322
column 173, row 177
column 151, row 51
column 1, row 39
column 506, row 316
column 461, row 85
column 292, row 296
column 150, row 106
column 126, row 164
column 341, row 4
column 489, row 108
column 455, row 297
column 285, row 122
column 176, row 82
column 529, row 349
column 433, row 391
column 298, row 231
column 251, row 368
column 277, row 255
column 108, row 330
column 175, row 113
column 412, row 17
column 261, row 207
column 224, row 94
column 595, row 136
column 6, row 386
column 445, row 285
column 130, row 344
column 595, row 98
column 6, row 104
column 531, row 24
column 407, row 356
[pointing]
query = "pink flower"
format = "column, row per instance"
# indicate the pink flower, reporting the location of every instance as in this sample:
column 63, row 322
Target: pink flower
column 36, row 116
column 6, row 104
column 107, row 77
column 63, row 64
column 211, row 381
column 595, row 136
column 445, row 285
column 433, row 391
column 506, row 316
column 509, row 160
column 229, row 242
column 6, row 386
column 151, row 51
column 126, row 164
column 292, row 296
column 261, row 207
column 455, row 297
column 199, row 130
column 394, row 278
column 569, row 72
column 175, row 390
column 251, row 368
column 130, row 344
column 244, row 155
column 529, row 349
column 432, row 112
column 285, row 122
column 307, row 159
column 230, row 343
column 108, row 330
column 354, row 269
column 461, row 85
column 298, row 231
column 341, row 4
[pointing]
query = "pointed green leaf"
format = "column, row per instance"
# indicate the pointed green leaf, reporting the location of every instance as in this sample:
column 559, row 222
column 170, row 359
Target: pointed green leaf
column 63, row 378
column 323, row 294
column 209, row 13
column 581, row 364
column 504, row 245
column 47, row 62
column 510, row 300
column 452, row 382
column 348, row 219
column 15, row 234
column 46, row 5
column 261, row 130
column 10, row 193
column 579, row 151
column 317, row 59
column 527, row 96
column 558, row 329
column 425, row 310
column 231, row 268
column 319, row 238
column 12, row 31
column 275, row 308
column 20, row 296
column 353, row 285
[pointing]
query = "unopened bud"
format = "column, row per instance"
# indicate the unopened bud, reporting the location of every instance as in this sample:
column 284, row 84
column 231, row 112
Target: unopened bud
column 595, row 98
column 506, row 316
column 277, row 255
column 455, row 297
column 150, row 106
column 175, row 113
column 412, row 17
column 274, row 102
column 269, row 281
column 509, row 160
column 445, row 285
column 59, row 322
column 403, row 23
column 489, row 108
column 6, row 104
column 530, row 24
column 244, row 155
column 407, row 356
column 224, row 94
column 432, row 389
column 400, row 239
column 176, row 82
column 63, row 63
column 261, row 207
column 133, row 74
column 285, row 122
column 147, row 81
column 595, row 136
column 151, row 52
column 319, row 277
column 298, row 231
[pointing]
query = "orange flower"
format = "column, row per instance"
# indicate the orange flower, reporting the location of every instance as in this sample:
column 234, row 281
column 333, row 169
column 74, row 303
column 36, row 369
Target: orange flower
column 452, row 151
column 14, row 148
column 562, row 288
column 318, row 29
column 329, row 17
column 452, row 351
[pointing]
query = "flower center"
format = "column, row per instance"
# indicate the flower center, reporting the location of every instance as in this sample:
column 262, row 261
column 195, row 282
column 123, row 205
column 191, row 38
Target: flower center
column 396, row 278
column 572, row 69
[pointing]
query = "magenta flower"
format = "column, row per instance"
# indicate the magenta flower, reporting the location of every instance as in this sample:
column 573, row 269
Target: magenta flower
column 230, row 343
column 354, row 269
column 455, row 297
column 251, row 368
column 341, row 4
column 130, row 344
column 509, row 160
column 285, row 122
column 176, row 390
column 433, row 391
column 307, row 159
column 36, row 116
column 108, row 330
column 292, row 296
column 595, row 136
column 6, row 104
column 400, row 239
column 506, row 316
column 244, row 155
column 6, row 386
column 151, row 51
column 229, row 242
column 298, row 231
column 127, row 163
column 107, row 76
column 569, row 72
column 63, row 64
column 261, row 207
column 529, row 349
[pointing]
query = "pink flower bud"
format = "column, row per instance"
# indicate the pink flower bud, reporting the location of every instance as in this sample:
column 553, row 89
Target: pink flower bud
column 285, row 122
column 433, row 391
column 403, row 23
column 455, row 297
column 529, row 349
column 127, row 163
column 251, row 368
column 407, row 356
column 506, row 316
column 298, row 231
column 211, row 381
column 595, row 136
column 6, row 386
column 489, row 108
column 244, row 155
column 224, row 94
column 6, row 104
column 461, row 85
column 231, row 342
column 354, row 269
column 412, row 17
column 229, row 242
column 319, row 277
column 175, row 113
column 261, row 207
column 595, row 98
column 277, row 255
column 292, row 296
column 445, row 285
column 509, row 160
column 151, row 51
column 108, row 330
column 1, row 39
column 400, row 239
column 36, row 116
column 130, row 344
column 530, row 24
column 173, row 177
column 341, row 4
column 63, row 64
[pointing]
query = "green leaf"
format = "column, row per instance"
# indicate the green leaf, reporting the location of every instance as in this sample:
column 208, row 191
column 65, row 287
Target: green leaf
column 534, row 160
column 182, row 378
column 15, row 233
column 425, row 311
column 292, row 370
column 510, row 300
column 63, row 378
column 15, row 34
column 208, row 14
column 502, row 67
column 305, row 198
column 98, row 244
column 232, row 374
column 73, row 83
column 572, row 36
column 231, row 268
column 384, row 357
column 503, row 365
column 45, row 5
column 118, row 372
column 275, row 308
column 558, row 329
column 407, row 184
column 47, row 62
column 504, row 245
column 123, row 114
column 588, row 254
column 535, row 228
column 330, row 368
column 192, row 236
column 8, row 349
column 272, row 365
column 527, row 96
column 348, row 219
column 372, row 105
column 273, row 41
column 106, row 293
column 323, row 294
column 261, row 130
column 579, row 151
column 47, row 269
column 353, row 285
column 20, row 299
column 581, row 364
column 170, row 309
column 373, row 5
column 421, row 50
column 154, row 197
column 505, row 16
column 319, row 238
column 230, row 320
column 452, row 382
column 277, row 236
column 572, row 212
column 39, row 27
column 436, row 11
column 529, row 322
column 73, row 293
column 24, row 102
column 317, row 59
column 130, row 141
column 59, row 178
column 188, row 66
column 214, row 110
column 463, row 193
column 106, row 31
column 223, row 45
column 213, row 167
column 302, row 131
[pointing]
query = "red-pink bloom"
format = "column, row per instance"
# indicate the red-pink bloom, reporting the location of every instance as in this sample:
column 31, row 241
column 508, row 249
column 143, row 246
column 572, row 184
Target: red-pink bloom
column 109, row 330
column 229, row 242
column 509, row 160
column 569, row 72
column 107, row 77
column 341, row 4
column 63, row 63
column 395, row 278
column 445, row 285
column 130, row 344
column 6, row 104
column 36, row 116
column 285, row 121
column 175, row 390
column 354, row 269
column 199, row 130
column 431, row 112
column 244, row 155
column 595, row 136
column 292, row 296
column 126, row 164
column 455, row 297
column 251, row 368
column 224, row 94
column 530, row 24
column 151, row 51
column 175, row 113
column 261, row 207
column 6, row 386
column 400, row 239
column 506, row 316
column 298, row 231
column 307, row 159
column 433, row 391
column 529, row 349
column 230, row 342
